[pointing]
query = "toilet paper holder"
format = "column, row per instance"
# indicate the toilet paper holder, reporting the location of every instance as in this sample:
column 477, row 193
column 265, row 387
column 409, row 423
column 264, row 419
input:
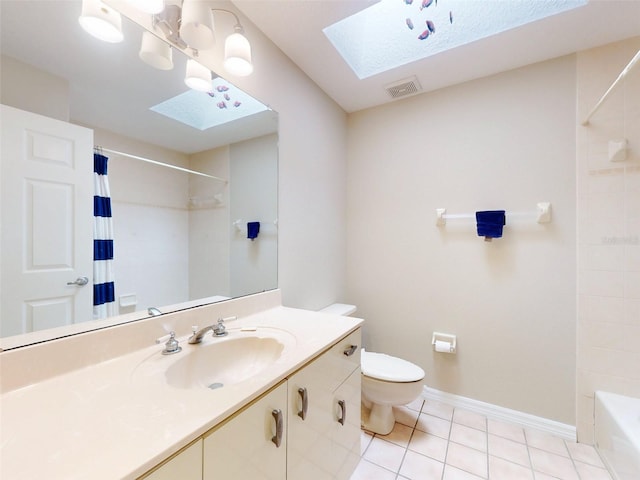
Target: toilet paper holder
column 444, row 342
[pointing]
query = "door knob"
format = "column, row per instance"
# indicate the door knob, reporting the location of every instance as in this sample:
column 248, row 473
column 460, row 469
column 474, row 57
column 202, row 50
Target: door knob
column 80, row 281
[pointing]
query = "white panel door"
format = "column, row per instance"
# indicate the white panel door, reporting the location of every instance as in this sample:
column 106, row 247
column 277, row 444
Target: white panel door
column 46, row 190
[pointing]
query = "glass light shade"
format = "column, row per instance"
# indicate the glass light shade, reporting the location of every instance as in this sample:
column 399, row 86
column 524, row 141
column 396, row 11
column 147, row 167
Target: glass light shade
column 155, row 52
column 148, row 6
column 198, row 76
column 101, row 21
column 196, row 26
column 237, row 55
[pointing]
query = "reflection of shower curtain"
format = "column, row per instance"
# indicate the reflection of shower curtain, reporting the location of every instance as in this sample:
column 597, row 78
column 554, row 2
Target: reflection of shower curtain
column 103, row 287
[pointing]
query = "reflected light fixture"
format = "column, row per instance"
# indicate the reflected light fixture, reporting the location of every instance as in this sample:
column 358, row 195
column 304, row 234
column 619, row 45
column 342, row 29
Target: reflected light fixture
column 156, row 52
column 198, row 76
column 148, row 6
column 101, row 21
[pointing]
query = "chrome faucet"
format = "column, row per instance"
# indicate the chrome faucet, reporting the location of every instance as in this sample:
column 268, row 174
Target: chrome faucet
column 218, row 330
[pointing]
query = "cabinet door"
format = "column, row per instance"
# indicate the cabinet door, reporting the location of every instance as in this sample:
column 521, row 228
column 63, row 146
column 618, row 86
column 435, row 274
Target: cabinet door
column 243, row 448
column 309, row 423
column 313, row 452
column 345, row 434
column 186, row 465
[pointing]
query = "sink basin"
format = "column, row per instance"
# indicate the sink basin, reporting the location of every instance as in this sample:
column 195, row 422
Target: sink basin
column 224, row 361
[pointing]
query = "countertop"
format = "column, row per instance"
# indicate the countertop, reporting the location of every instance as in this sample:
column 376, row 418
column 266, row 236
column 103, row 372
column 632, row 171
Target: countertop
column 109, row 420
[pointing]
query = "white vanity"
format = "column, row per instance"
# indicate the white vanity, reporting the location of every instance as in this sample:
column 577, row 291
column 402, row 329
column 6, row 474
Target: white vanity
column 286, row 403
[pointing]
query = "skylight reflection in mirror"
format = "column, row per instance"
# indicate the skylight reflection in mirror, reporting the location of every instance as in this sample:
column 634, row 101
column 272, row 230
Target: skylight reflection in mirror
column 204, row 110
column 392, row 33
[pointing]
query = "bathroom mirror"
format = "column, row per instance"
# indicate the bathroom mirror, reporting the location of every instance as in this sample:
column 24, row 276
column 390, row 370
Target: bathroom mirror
column 180, row 239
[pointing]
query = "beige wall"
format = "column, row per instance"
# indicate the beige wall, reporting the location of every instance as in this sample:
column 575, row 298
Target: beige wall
column 254, row 193
column 33, row 90
column 311, row 170
column 608, row 232
column 210, row 224
column 502, row 142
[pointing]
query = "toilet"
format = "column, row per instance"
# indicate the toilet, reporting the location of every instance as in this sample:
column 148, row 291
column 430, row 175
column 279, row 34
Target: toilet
column 387, row 381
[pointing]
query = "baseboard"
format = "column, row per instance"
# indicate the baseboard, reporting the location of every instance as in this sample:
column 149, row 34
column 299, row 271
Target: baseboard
column 495, row 412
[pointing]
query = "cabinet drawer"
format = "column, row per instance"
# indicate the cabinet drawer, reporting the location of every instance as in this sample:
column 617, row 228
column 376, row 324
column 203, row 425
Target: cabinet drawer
column 344, row 357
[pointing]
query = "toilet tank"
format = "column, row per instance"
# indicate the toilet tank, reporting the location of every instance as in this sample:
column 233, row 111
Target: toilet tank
column 343, row 309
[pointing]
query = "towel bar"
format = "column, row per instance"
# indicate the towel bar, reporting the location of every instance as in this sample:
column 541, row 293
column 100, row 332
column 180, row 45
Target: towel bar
column 542, row 214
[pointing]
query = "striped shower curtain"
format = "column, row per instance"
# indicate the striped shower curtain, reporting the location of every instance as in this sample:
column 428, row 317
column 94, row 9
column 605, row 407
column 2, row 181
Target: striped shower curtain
column 103, row 286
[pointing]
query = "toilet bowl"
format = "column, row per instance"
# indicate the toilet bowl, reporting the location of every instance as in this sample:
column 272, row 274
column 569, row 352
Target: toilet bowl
column 387, row 381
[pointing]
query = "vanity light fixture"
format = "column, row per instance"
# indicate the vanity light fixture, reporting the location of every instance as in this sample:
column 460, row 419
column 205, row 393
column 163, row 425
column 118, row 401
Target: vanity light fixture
column 237, row 53
column 193, row 27
column 188, row 27
column 148, row 6
column 196, row 25
column 101, row 21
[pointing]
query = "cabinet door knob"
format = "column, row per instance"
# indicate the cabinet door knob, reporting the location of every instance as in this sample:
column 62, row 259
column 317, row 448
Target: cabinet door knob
column 351, row 350
column 343, row 412
column 302, row 391
column 277, row 416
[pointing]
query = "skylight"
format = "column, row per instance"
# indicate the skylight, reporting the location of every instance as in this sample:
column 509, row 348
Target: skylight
column 392, row 33
column 200, row 110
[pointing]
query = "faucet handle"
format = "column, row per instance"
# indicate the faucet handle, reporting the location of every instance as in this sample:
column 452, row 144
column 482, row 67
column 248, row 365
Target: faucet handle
column 219, row 330
column 172, row 345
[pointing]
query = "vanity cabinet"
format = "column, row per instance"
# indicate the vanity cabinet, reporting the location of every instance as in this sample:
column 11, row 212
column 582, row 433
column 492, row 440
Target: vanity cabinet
column 185, row 465
column 305, row 428
column 252, row 444
column 324, row 414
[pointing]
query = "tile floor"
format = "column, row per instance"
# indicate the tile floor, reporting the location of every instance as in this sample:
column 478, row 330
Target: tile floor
column 436, row 441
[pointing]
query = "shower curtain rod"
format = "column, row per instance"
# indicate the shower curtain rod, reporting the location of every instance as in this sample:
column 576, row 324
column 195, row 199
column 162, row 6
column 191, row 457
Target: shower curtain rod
column 624, row 72
column 162, row 164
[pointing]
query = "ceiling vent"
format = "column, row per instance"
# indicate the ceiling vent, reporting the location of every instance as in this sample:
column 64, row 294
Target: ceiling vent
column 403, row 88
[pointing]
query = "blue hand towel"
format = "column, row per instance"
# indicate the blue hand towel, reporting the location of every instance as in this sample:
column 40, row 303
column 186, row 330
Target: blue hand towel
column 253, row 229
column 490, row 223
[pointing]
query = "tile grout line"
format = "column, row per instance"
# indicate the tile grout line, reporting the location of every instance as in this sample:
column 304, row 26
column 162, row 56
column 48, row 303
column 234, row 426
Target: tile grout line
column 527, row 444
column 575, row 468
column 486, row 434
column 446, row 453
column 413, row 431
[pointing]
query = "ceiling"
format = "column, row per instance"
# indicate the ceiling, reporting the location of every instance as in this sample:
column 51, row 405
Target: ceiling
column 295, row 26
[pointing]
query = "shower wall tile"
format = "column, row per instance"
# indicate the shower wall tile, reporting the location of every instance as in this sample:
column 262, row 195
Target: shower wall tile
column 608, row 329
column 632, row 258
column 601, row 283
column 632, row 311
column 632, row 285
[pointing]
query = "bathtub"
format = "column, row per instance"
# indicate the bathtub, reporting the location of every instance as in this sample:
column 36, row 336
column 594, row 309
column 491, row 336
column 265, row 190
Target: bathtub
column 617, row 434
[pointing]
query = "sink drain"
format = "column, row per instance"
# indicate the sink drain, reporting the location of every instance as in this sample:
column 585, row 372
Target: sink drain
column 215, row 385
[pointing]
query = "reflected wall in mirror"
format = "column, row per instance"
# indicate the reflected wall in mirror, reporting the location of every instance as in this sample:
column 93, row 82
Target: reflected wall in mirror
column 180, row 239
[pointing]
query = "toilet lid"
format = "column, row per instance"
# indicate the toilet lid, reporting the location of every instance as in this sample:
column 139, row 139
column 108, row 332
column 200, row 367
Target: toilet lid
column 385, row 367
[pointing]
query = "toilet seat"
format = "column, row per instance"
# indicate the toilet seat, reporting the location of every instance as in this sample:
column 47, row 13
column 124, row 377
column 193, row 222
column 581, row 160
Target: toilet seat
column 384, row 367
